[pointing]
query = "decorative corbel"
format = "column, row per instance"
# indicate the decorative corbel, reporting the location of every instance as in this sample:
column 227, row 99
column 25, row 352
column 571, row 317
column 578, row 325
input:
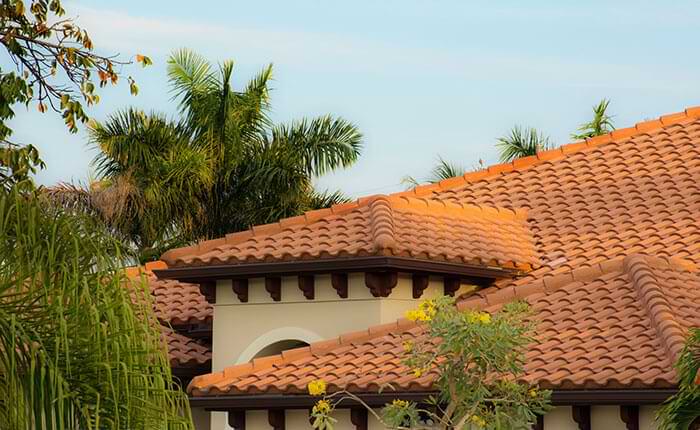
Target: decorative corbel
column 380, row 284
column 629, row 414
column 451, row 285
column 582, row 416
column 339, row 281
column 358, row 417
column 240, row 289
column 420, row 283
column 236, row 419
column 306, row 285
column 276, row 418
column 208, row 290
column 274, row 287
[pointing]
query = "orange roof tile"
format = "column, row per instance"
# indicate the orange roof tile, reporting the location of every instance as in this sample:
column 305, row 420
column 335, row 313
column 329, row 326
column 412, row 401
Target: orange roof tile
column 176, row 303
column 635, row 190
column 619, row 324
column 381, row 225
column 184, row 351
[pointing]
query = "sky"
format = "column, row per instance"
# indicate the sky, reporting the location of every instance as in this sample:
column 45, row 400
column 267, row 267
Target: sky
column 420, row 78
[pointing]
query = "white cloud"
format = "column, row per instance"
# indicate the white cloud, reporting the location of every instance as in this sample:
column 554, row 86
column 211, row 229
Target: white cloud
column 321, row 51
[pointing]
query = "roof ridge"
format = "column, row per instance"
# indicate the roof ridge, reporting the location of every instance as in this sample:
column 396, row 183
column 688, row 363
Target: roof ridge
column 641, row 274
column 423, row 190
column 382, row 223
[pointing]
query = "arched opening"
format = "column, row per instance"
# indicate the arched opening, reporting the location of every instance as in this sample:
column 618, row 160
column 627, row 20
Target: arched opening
column 278, row 347
column 276, row 341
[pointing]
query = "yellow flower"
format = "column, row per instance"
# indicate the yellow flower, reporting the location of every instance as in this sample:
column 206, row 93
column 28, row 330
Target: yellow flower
column 317, row 387
column 417, row 372
column 400, row 403
column 485, row 318
column 532, row 392
column 412, row 315
column 478, row 420
column 428, row 308
column 322, row 407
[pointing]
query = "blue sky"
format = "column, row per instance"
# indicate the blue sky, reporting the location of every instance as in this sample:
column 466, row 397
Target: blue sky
column 421, row 78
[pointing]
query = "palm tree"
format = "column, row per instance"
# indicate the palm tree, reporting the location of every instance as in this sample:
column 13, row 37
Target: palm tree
column 79, row 345
column 242, row 169
column 521, row 142
column 443, row 169
column 151, row 174
column 682, row 411
column 599, row 125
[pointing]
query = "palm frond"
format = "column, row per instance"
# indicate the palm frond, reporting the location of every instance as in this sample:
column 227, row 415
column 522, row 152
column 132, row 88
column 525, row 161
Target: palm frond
column 521, row 142
column 190, row 76
column 326, row 199
column 683, row 409
column 324, row 144
column 600, row 124
column 445, row 170
column 80, row 346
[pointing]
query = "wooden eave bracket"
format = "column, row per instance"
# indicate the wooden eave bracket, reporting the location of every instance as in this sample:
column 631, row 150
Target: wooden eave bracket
column 240, row 289
column 380, row 284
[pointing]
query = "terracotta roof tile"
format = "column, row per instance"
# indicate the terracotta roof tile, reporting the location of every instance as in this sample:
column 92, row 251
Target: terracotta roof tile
column 184, row 351
column 400, row 226
column 618, row 329
column 176, row 303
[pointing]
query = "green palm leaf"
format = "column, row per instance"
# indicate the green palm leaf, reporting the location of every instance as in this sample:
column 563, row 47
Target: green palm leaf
column 80, row 347
column 521, row 142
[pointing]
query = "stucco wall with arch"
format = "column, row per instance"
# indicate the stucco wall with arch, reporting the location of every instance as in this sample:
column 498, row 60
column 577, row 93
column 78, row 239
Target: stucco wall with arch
column 275, row 336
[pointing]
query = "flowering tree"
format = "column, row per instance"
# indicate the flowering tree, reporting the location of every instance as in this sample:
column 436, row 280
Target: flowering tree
column 478, row 361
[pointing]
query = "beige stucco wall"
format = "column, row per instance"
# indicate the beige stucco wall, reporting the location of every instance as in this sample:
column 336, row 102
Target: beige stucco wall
column 241, row 330
column 602, row 418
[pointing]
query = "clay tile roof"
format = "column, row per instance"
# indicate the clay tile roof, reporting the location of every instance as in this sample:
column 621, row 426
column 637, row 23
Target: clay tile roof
column 618, row 325
column 176, row 303
column 184, row 351
column 381, row 225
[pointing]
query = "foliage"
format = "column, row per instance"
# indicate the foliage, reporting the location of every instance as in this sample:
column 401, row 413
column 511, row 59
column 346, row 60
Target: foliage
column 683, row 409
column 599, row 125
column 521, row 142
column 240, row 169
column 478, row 359
column 442, row 170
column 56, row 67
column 79, row 346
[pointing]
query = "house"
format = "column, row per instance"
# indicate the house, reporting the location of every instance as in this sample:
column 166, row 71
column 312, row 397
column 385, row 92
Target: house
column 601, row 237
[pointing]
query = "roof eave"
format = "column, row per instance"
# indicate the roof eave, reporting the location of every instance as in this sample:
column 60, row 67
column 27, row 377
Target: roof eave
column 637, row 396
column 355, row 264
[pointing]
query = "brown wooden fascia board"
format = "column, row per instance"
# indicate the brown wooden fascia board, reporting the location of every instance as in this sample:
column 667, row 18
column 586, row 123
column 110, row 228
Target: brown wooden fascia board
column 303, row 401
column 320, row 266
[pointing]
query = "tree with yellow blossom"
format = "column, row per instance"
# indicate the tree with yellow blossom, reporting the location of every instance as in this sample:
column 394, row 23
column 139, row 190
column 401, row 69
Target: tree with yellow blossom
column 478, row 362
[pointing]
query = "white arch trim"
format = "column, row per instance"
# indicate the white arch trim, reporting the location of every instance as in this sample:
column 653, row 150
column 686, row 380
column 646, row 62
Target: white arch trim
column 276, row 335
